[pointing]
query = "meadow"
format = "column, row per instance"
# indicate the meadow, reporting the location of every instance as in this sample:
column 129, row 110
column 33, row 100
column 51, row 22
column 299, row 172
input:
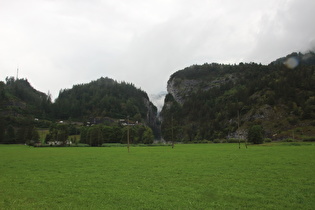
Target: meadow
column 194, row 176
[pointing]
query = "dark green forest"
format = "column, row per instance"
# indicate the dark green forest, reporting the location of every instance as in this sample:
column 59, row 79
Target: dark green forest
column 100, row 98
column 102, row 102
column 217, row 101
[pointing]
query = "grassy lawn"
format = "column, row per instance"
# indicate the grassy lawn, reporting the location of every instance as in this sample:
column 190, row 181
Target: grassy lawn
column 203, row 176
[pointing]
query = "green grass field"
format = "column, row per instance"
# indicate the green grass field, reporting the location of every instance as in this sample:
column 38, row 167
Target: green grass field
column 201, row 176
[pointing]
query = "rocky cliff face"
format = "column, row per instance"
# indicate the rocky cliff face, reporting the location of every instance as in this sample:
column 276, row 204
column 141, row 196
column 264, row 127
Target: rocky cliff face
column 180, row 88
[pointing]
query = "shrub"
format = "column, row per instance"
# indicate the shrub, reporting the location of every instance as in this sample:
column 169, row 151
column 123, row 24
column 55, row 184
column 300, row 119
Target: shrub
column 80, row 145
column 267, row 140
column 205, row 141
column 255, row 134
column 289, row 140
column 113, row 145
column 293, row 144
column 224, row 141
column 292, row 120
column 216, row 141
column 309, row 139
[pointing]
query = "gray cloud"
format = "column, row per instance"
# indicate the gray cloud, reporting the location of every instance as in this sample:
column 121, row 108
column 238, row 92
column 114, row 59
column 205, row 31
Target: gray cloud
column 56, row 44
column 288, row 29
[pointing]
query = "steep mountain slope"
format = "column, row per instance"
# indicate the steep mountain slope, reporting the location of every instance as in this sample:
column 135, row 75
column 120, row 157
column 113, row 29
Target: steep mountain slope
column 104, row 98
column 100, row 101
column 19, row 98
column 215, row 101
column 20, row 103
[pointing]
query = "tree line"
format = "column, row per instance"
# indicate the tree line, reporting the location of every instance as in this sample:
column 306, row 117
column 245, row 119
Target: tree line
column 100, row 134
column 97, row 135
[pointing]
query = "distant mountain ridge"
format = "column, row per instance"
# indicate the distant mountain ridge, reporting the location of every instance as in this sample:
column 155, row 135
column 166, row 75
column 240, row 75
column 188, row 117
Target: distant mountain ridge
column 217, row 101
column 301, row 59
column 203, row 102
column 18, row 97
column 97, row 101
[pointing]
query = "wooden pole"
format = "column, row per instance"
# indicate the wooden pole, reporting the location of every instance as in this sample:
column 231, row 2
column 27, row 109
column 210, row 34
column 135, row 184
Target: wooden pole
column 238, row 129
column 128, row 134
column 172, row 134
column 293, row 135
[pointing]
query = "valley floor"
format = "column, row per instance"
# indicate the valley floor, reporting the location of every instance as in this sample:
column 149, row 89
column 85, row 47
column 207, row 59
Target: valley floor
column 195, row 176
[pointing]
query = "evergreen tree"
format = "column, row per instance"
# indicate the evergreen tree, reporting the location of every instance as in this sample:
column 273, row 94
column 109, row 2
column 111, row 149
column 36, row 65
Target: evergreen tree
column 35, row 136
column 2, row 130
column 255, row 134
column 84, row 135
column 148, row 136
column 21, row 135
column 11, row 135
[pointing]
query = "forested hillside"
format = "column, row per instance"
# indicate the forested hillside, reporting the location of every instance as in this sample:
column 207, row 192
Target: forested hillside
column 20, row 104
column 102, row 98
column 216, row 101
column 106, row 98
column 19, row 98
column 104, row 101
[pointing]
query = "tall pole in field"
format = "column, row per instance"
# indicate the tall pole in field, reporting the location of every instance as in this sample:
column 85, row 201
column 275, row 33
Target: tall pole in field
column 293, row 134
column 238, row 129
column 172, row 134
column 128, row 134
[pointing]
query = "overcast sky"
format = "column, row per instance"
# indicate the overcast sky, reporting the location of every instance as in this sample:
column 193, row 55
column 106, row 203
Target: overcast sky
column 58, row 43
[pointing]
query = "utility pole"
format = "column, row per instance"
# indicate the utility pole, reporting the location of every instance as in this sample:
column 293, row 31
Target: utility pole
column 128, row 134
column 172, row 134
column 293, row 135
column 238, row 128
